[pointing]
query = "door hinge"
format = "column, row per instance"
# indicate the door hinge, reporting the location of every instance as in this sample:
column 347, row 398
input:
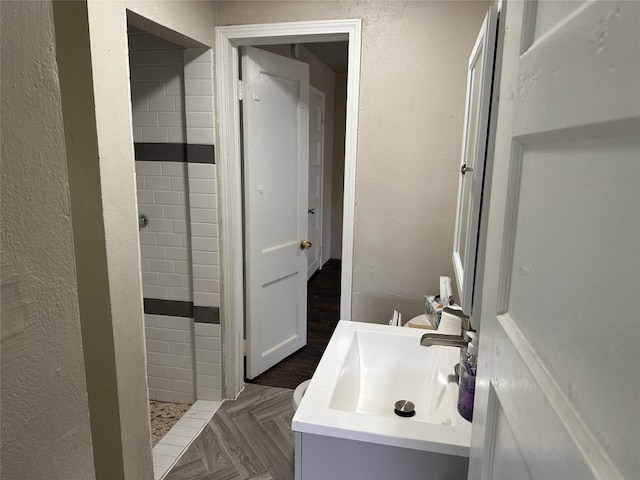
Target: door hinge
column 240, row 90
column 245, row 346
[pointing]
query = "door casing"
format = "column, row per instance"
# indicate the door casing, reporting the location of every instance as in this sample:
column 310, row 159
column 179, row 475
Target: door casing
column 228, row 41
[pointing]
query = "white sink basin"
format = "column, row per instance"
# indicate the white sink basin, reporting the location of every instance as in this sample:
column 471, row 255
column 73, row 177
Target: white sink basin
column 365, row 369
column 383, row 367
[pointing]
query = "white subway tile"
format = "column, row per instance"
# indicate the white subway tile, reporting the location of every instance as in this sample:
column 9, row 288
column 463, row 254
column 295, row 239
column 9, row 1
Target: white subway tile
column 204, row 215
column 155, row 291
column 149, row 251
column 160, row 225
column 197, row 70
column 204, row 329
column 186, row 397
column 165, row 358
column 138, row 57
column 152, row 211
column 158, row 346
column 140, row 104
column 186, row 324
column 173, row 336
column 140, row 181
column 155, row 134
column 176, row 373
column 189, row 432
column 137, row 134
column 173, row 169
column 186, row 240
column 147, row 89
column 166, row 321
column 149, row 278
column 182, row 386
column 172, row 212
column 178, row 184
column 210, row 369
column 148, row 168
column 171, row 280
column 203, row 244
column 167, row 198
column 183, row 294
column 180, row 348
column 170, row 119
column 199, row 120
column 202, row 200
column 204, row 230
column 144, row 264
column 197, row 55
column 158, row 183
column 185, row 361
column 198, row 87
column 206, row 299
column 207, row 355
column 159, row 382
column 173, row 86
column 205, row 136
column 197, row 103
column 154, row 370
column 205, row 171
column 188, row 373
column 153, row 333
column 147, row 238
column 204, row 393
column 169, row 56
column 197, row 185
column 169, row 72
column 206, row 285
column 177, row 134
column 166, row 396
column 183, row 199
column 145, row 119
column 179, row 103
column 177, row 253
column 171, row 439
column 190, row 422
column 162, row 266
column 182, row 267
column 143, row 73
column 169, row 450
column 180, row 226
column 205, row 272
column 204, row 258
column 208, row 381
column 145, row 196
column 161, row 104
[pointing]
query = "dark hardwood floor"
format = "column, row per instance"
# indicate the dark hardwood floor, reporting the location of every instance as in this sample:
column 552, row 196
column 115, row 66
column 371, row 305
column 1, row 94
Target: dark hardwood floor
column 323, row 313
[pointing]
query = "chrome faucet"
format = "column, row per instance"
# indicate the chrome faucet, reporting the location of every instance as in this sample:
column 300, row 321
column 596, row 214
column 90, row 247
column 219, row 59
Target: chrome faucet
column 461, row 341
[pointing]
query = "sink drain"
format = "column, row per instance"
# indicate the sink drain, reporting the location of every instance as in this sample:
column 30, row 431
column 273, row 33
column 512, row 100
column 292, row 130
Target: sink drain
column 404, row 408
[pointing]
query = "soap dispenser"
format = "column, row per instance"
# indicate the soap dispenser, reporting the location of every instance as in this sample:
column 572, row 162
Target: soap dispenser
column 467, row 385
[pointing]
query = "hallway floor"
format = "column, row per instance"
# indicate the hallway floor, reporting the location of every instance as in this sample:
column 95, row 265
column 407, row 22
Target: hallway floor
column 247, row 438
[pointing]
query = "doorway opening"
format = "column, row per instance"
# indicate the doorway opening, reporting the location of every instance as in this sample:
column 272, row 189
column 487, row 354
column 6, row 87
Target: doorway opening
column 229, row 40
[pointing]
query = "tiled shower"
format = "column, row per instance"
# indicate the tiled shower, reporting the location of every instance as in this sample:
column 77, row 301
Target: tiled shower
column 173, row 130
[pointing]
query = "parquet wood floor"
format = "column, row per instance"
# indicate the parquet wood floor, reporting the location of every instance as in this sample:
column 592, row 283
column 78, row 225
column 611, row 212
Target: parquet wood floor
column 247, row 438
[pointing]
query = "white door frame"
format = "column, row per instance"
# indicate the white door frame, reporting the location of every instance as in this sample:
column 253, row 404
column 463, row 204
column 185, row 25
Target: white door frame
column 228, row 39
column 321, row 94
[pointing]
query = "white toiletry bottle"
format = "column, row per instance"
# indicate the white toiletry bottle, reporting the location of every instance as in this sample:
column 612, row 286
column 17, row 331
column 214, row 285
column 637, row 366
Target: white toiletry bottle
column 467, row 385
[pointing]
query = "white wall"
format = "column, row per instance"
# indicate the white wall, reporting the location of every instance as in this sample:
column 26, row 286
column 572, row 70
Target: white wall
column 45, row 413
column 413, row 77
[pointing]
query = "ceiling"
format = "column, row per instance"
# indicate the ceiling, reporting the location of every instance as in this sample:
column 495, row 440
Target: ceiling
column 333, row 54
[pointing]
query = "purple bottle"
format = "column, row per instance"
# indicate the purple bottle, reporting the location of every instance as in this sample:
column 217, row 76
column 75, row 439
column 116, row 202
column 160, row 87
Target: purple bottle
column 467, row 385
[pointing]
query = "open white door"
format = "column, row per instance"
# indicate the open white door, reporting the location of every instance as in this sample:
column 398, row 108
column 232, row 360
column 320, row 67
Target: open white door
column 557, row 389
column 276, row 149
column 474, row 148
column 316, row 161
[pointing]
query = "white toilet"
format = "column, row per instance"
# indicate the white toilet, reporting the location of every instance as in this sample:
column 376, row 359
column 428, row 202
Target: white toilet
column 298, row 393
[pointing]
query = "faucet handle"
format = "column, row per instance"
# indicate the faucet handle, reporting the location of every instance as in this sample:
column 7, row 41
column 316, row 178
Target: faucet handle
column 465, row 323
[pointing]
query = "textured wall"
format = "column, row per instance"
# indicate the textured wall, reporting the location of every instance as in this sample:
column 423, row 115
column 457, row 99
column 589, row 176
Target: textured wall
column 413, row 77
column 45, row 413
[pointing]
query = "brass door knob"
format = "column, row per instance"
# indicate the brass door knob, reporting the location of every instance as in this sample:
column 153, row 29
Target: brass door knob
column 305, row 245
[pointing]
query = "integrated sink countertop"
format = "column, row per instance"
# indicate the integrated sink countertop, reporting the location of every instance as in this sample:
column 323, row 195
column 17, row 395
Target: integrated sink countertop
column 365, row 369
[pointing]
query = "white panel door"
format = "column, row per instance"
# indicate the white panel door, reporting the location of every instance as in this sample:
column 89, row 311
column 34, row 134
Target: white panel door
column 558, row 390
column 276, row 149
column 316, row 160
